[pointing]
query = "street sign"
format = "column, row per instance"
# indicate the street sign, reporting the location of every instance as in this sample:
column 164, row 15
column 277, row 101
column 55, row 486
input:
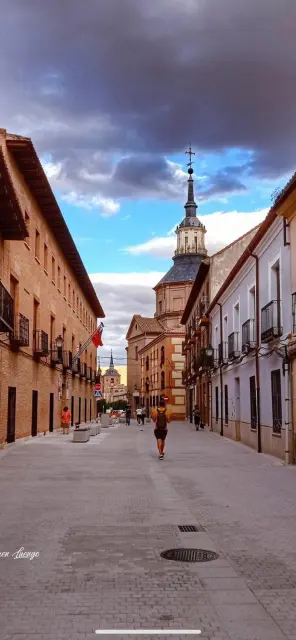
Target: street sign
column 98, row 387
column 97, row 393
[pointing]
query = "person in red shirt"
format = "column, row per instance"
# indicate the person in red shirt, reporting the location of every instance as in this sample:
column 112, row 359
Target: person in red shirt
column 66, row 420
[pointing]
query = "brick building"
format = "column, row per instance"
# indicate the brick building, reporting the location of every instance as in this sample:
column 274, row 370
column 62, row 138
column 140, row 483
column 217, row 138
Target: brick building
column 155, row 358
column 48, row 307
column 110, row 381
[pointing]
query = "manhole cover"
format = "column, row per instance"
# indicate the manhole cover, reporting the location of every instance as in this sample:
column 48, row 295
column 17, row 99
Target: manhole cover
column 189, row 555
column 188, row 528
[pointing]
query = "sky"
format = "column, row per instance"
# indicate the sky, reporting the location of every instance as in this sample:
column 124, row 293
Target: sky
column 112, row 94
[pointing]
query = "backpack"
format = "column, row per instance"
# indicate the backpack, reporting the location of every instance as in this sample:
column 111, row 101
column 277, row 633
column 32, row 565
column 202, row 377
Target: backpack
column 161, row 420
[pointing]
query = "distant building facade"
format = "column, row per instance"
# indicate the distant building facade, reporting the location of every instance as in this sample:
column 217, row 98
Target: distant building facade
column 110, row 381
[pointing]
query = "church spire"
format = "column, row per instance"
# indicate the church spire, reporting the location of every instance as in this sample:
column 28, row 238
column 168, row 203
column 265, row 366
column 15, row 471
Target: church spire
column 190, row 206
column 111, row 361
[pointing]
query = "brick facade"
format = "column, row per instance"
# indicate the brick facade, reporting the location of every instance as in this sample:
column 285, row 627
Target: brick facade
column 45, row 289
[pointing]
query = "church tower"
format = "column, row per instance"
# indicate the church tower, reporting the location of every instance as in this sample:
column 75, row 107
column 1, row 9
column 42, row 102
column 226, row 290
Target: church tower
column 173, row 290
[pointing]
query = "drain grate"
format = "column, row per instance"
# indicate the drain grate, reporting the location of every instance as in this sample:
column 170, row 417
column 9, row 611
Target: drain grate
column 189, row 528
column 189, row 555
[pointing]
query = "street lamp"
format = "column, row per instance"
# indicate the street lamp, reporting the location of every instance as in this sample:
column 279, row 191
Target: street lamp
column 209, row 351
column 59, row 342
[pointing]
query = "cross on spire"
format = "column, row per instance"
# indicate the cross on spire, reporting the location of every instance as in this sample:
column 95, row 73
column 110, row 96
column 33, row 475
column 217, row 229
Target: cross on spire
column 190, row 153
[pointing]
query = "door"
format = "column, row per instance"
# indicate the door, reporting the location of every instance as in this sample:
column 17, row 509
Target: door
column 79, row 410
column 90, row 416
column 237, row 408
column 34, row 413
column 11, row 414
column 72, row 411
column 85, row 409
column 51, row 408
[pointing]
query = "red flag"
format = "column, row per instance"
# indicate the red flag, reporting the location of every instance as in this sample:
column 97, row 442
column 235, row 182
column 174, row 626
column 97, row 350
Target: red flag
column 97, row 338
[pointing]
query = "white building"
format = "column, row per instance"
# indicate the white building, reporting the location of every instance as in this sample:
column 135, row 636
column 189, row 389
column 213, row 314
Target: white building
column 251, row 319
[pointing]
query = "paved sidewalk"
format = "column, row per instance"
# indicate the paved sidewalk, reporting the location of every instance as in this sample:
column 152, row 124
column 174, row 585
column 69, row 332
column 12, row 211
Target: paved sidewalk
column 100, row 514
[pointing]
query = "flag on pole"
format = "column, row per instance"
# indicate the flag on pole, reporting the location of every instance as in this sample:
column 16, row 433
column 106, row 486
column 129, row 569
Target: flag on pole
column 97, row 337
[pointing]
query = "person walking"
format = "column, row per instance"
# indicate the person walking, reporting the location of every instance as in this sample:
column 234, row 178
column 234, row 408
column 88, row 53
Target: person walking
column 161, row 419
column 66, row 420
column 143, row 414
column 196, row 414
column 128, row 414
column 139, row 415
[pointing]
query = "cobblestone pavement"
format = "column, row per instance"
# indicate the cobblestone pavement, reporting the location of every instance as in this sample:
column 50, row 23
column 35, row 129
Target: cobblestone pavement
column 100, row 514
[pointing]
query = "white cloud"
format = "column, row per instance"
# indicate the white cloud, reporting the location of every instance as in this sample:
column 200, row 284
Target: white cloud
column 222, row 229
column 107, row 206
column 148, row 279
column 51, row 169
column 122, row 295
column 162, row 247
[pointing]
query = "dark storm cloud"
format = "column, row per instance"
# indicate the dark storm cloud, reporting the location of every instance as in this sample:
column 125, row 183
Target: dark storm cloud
column 127, row 77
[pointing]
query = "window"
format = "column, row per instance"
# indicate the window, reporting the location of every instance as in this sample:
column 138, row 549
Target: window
column 162, row 383
column 217, row 402
column 252, row 303
column 136, row 353
column 69, row 293
column 160, row 307
column 226, row 403
column 27, row 222
column 59, row 278
column 186, row 243
column 53, row 269
column 253, row 402
column 147, row 363
column 236, row 317
column 37, row 244
column 45, row 258
column 65, row 286
column 276, row 396
column 162, row 356
column 195, row 244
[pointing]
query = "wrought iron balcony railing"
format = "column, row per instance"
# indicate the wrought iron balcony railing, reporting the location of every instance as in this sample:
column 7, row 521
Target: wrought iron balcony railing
column 56, row 354
column 6, row 310
column 76, row 366
column 233, row 345
column 41, row 343
column 21, row 333
column 248, row 335
column 223, row 352
column 271, row 321
column 67, row 360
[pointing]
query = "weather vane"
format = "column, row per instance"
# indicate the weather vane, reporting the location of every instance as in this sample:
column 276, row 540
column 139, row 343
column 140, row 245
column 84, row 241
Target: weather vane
column 190, row 153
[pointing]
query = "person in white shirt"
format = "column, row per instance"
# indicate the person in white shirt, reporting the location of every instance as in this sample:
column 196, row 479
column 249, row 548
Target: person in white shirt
column 139, row 414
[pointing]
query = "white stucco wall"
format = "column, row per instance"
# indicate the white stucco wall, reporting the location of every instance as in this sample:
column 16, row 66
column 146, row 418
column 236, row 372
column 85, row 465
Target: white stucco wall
column 269, row 250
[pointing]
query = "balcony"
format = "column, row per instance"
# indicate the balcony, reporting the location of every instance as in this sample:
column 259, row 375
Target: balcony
column 215, row 359
column 67, row 360
column 75, row 366
column 223, row 352
column 88, row 373
column 21, row 333
column 206, row 362
column 56, row 354
column 271, row 321
column 40, row 343
column 233, row 346
column 6, row 311
column 248, row 336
